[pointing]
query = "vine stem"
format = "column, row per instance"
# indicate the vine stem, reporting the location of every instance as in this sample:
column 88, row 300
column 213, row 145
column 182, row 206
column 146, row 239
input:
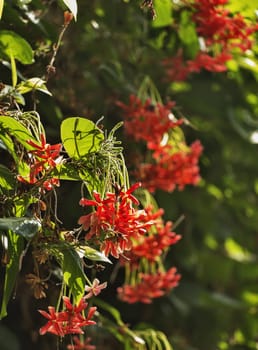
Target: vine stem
column 50, row 66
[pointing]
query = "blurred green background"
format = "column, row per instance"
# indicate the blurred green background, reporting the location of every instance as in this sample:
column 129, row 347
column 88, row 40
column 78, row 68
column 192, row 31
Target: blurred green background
column 103, row 58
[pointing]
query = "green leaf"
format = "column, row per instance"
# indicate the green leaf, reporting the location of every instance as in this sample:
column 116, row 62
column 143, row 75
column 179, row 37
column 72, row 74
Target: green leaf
column 7, row 180
column 93, row 254
column 17, row 130
column 14, row 70
column 25, row 226
column 67, row 172
column 246, row 8
column 187, row 33
column 111, row 310
column 248, row 63
column 13, row 44
column 117, row 317
column 163, row 9
column 80, row 136
column 15, row 248
column 33, row 84
column 1, row 8
column 74, row 276
column 72, row 6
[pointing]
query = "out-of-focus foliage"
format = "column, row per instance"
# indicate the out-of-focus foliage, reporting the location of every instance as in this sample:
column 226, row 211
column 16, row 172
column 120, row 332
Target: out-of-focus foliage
column 104, row 57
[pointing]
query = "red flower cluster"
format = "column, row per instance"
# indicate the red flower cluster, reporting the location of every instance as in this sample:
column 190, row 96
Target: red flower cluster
column 115, row 221
column 44, row 158
column 78, row 345
column 171, row 165
column 68, row 321
column 177, row 69
column 217, row 27
column 171, row 169
column 152, row 245
column 148, row 122
column 150, row 287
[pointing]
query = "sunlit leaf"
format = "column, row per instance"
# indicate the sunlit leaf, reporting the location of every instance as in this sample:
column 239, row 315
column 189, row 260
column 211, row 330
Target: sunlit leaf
column 14, row 71
column 92, row 254
column 33, row 84
column 163, row 9
column 80, row 136
column 236, row 252
column 187, row 33
column 17, row 130
column 248, row 63
column 1, row 8
column 73, row 273
column 15, row 248
column 246, row 8
column 7, row 180
column 13, row 44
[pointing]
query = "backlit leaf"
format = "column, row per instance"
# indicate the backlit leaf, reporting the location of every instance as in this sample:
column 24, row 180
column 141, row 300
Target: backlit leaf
column 17, row 130
column 13, row 44
column 163, row 9
column 33, row 84
column 93, row 254
column 7, row 180
column 73, row 273
column 80, row 136
column 1, row 8
column 15, row 248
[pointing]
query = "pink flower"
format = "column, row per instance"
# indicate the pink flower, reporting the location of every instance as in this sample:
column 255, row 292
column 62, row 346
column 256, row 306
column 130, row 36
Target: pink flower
column 95, row 289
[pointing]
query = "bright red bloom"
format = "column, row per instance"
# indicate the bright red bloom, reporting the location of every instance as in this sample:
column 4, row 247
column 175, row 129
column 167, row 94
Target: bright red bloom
column 148, row 122
column 177, row 69
column 149, row 287
column 54, row 325
column 46, row 152
column 68, row 321
column 44, row 158
column 218, row 26
column 78, row 345
column 153, row 244
column 210, row 63
column 115, row 221
column 171, row 170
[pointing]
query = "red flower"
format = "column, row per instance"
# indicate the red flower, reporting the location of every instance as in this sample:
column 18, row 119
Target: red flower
column 78, row 345
column 148, row 122
column 219, row 29
column 218, row 26
column 171, row 170
column 115, row 221
column 153, row 244
column 45, row 158
column 68, row 321
column 150, row 287
column 54, row 325
column 178, row 70
column 46, row 152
